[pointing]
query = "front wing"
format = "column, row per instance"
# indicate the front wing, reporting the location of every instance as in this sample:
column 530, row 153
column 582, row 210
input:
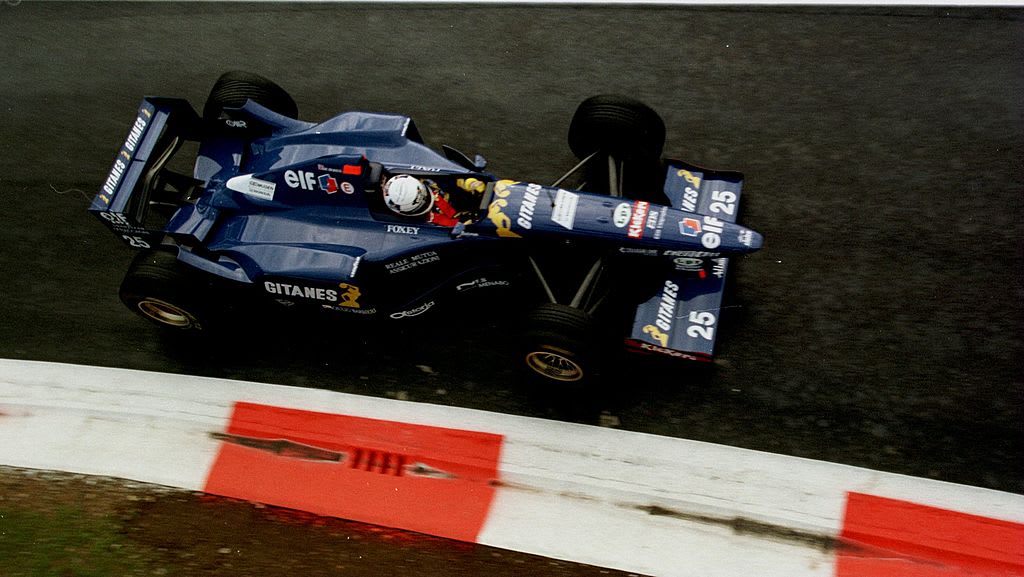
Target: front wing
column 681, row 319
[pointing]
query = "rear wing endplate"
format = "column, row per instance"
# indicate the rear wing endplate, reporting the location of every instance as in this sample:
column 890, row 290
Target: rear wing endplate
column 160, row 127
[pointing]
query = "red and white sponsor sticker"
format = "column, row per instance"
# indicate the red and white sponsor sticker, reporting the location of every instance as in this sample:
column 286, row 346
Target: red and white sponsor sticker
column 638, row 219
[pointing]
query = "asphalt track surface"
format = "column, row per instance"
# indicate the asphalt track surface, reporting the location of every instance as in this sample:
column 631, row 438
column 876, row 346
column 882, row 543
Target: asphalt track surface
column 884, row 152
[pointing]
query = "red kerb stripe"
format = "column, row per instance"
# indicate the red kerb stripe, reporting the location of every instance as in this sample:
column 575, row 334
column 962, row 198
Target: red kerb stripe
column 421, row 478
column 884, row 537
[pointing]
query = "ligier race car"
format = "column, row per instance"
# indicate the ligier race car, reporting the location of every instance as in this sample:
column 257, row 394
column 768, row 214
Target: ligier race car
column 357, row 216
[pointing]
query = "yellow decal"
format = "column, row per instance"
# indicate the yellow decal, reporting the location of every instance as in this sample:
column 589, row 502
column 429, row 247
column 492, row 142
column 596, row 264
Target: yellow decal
column 686, row 174
column 104, row 198
column 350, row 297
column 147, row 113
column 656, row 334
column 126, row 155
column 473, row 185
column 494, row 212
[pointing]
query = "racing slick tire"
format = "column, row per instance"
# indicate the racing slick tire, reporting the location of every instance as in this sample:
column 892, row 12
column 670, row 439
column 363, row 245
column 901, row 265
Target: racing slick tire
column 234, row 88
column 627, row 130
column 558, row 345
column 159, row 288
column 618, row 125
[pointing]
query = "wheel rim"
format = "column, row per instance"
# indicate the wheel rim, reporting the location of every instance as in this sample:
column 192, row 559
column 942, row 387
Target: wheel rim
column 165, row 313
column 554, row 365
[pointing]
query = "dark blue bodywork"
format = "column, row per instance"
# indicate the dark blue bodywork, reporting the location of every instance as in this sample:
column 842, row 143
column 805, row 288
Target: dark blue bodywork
column 294, row 211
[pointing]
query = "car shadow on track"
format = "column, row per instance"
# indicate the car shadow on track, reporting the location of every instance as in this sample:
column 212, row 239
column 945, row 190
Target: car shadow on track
column 434, row 359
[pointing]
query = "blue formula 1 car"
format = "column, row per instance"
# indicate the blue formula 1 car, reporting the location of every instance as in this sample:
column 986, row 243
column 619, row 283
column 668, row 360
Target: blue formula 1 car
column 355, row 215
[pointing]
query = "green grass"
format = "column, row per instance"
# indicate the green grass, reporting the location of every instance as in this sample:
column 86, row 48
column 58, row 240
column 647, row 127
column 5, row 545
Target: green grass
column 65, row 543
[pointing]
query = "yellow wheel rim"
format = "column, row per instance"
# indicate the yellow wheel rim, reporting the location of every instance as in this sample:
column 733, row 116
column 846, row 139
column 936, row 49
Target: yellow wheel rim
column 165, row 313
column 554, row 365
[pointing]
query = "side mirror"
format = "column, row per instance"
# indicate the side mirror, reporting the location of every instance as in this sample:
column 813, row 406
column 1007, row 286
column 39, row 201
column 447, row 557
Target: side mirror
column 478, row 163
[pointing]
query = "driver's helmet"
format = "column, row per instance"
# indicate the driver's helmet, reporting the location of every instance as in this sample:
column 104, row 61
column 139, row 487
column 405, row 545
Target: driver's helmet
column 407, row 196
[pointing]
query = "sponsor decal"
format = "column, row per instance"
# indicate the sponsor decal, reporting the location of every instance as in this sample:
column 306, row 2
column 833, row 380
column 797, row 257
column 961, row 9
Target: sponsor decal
column 327, row 183
column 413, row 312
column 689, row 227
column 690, row 197
column 688, row 263
column 670, row 352
column 412, row 262
column 667, row 306
column 399, row 229
column 300, row 179
column 127, row 149
column 719, row 268
column 640, row 251
column 354, row 169
column 652, row 219
column 660, row 225
column 309, row 181
column 236, row 123
column 564, row 211
column 480, row 283
column 745, row 237
column 495, row 211
column 250, row 186
column 622, row 214
column 349, row 296
column 656, row 334
column 351, row 310
column 355, row 266
column 262, row 188
column 689, row 177
column 528, row 205
column 305, row 292
column 117, row 221
column 424, row 168
column 637, row 220
column 693, row 253
column 712, row 232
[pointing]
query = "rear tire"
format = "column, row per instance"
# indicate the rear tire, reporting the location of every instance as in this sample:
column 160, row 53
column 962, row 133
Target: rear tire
column 559, row 346
column 160, row 289
column 234, row 88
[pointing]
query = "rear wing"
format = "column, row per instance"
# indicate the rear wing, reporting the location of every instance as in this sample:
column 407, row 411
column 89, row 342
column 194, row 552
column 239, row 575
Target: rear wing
column 138, row 177
column 681, row 320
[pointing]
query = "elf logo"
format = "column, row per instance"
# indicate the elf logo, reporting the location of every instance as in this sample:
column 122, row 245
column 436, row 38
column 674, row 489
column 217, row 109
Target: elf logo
column 300, row 179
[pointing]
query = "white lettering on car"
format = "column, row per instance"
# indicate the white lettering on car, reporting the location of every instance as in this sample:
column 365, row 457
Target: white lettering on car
column 702, row 325
column 399, row 229
column 306, row 292
column 667, row 306
column 413, row 312
column 528, row 205
column 639, row 218
column 712, row 232
column 690, row 197
column 300, row 179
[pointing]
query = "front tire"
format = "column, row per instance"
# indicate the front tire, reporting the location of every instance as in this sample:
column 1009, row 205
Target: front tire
column 627, row 132
column 559, row 346
column 618, row 125
column 161, row 290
